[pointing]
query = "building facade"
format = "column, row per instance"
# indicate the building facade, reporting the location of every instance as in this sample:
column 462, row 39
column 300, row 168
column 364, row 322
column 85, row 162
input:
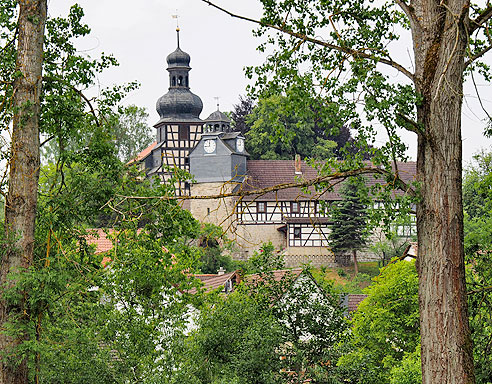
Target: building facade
column 291, row 218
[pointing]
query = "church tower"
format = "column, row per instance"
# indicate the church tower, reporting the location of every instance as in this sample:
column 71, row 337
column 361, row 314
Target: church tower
column 179, row 127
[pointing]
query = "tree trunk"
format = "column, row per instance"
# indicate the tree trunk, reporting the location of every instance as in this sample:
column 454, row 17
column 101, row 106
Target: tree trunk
column 439, row 46
column 20, row 205
column 356, row 265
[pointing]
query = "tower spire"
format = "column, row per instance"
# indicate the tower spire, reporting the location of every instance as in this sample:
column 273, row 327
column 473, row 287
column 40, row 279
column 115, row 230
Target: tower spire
column 176, row 16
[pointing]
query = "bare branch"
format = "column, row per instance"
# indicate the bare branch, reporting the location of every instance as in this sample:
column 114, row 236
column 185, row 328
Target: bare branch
column 93, row 111
column 335, row 177
column 301, row 36
column 47, row 140
column 481, row 19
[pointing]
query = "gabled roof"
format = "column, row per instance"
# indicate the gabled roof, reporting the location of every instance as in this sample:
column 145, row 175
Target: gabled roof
column 411, row 251
column 212, row 282
column 269, row 173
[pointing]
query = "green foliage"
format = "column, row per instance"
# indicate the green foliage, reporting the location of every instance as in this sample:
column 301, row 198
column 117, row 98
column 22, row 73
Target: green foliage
column 279, row 132
column 237, row 341
column 385, row 327
column 477, row 200
column 215, row 247
column 477, row 179
column 88, row 324
column 241, row 113
column 267, row 331
column 265, row 260
column 408, row 372
column 131, row 131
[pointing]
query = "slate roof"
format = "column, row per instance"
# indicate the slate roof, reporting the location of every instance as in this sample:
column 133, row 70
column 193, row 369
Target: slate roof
column 268, row 173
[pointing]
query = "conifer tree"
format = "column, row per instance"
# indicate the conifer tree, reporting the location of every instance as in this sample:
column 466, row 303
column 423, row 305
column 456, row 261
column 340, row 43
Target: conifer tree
column 348, row 229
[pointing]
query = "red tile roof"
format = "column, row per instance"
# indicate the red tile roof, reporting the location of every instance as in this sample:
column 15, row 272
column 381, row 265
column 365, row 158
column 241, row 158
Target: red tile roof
column 142, row 155
column 354, row 301
column 269, row 173
column 98, row 237
column 277, row 275
column 212, row 282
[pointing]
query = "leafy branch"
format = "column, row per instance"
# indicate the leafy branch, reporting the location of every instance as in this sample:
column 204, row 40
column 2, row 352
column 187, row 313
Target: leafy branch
column 303, row 38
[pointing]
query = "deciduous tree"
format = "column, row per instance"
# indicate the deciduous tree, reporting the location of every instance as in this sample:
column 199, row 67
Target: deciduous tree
column 20, row 202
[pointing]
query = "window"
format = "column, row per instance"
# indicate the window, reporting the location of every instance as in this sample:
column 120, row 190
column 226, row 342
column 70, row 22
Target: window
column 261, row 207
column 294, row 207
column 297, row 232
column 180, row 80
column 184, row 132
column 208, row 211
column 174, row 81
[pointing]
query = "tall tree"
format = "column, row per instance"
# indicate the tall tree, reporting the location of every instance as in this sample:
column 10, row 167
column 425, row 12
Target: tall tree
column 349, row 221
column 20, row 204
column 240, row 114
column 448, row 39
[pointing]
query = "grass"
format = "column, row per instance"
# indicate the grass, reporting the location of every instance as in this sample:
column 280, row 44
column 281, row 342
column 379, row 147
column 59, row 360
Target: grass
column 344, row 279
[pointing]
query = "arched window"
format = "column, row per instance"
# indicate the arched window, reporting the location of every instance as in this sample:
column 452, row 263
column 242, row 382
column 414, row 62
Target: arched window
column 180, row 80
column 186, row 81
column 174, row 81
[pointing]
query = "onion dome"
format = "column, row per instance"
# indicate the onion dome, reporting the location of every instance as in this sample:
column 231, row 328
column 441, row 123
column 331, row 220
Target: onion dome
column 178, row 58
column 179, row 104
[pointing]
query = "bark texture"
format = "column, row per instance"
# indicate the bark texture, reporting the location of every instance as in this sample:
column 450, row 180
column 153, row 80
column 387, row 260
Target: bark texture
column 440, row 36
column 20, row 207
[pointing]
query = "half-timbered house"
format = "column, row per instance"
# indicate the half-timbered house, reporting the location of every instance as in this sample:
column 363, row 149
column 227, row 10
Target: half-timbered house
column 215, row 155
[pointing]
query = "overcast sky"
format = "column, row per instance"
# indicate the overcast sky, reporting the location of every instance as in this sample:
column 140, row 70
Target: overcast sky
column 140, row 34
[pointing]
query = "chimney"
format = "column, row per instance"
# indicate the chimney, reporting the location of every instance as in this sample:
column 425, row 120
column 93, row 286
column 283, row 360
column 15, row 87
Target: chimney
column 221, row 271
column 297, row 165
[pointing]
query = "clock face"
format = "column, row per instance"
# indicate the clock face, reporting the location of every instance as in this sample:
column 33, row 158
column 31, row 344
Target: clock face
column 209, row 145
column 240, row 145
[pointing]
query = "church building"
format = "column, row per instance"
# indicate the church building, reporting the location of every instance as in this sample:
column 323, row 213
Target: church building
column 217, row 158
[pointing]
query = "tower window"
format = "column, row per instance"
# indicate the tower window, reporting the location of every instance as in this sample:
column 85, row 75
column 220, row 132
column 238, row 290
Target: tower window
column 184, row 132
column 186, row 81
column 174, row 81
column 180, row 80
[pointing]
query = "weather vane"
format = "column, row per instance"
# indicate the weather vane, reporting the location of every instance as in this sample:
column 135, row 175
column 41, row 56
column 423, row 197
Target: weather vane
column 216, row 98
column 176, row 16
